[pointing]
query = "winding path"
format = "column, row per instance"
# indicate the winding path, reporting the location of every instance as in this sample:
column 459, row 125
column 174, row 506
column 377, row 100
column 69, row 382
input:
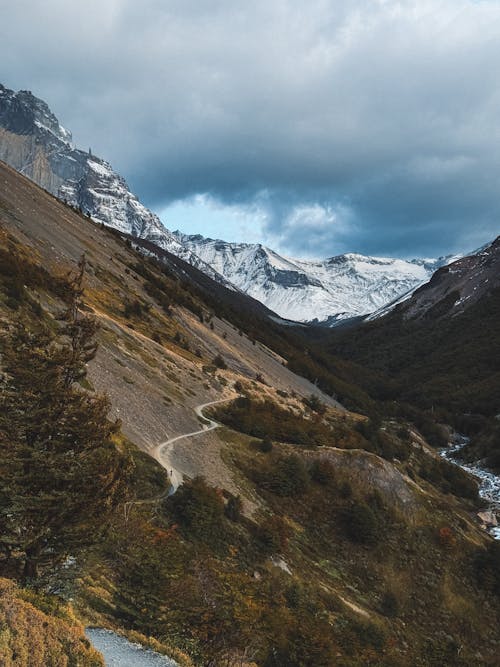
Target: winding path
column 163, row 458
column 162, row 452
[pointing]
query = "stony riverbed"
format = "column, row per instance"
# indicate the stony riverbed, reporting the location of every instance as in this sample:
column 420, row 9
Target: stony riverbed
column 489, row 483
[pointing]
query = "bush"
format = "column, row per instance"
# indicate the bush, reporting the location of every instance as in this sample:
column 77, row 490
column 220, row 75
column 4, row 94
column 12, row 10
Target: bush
column 135, row 308
column 389, row 604
column 487, row 567
column 449, row 478
column 273, row 535
column 263, row 419
column 266, row 445
column 219, row 362
column 323, row 472
column 315, row 404
column 233, row 508
column 199, row 510
column 289, row 478
column 361, row 524
column 345, row 490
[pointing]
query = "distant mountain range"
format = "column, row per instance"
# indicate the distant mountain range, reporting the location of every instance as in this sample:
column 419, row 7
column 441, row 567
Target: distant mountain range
column 328, row 291
column 331, row 290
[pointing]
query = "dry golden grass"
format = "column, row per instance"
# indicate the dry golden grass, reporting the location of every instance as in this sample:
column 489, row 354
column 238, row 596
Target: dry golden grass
column 31, row 638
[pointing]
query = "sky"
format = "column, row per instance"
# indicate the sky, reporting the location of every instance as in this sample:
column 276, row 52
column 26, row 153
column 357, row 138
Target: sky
column 314, row 126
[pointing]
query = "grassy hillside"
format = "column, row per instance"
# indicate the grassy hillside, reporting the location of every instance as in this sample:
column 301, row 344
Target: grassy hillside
column 37, row 631
column 305, row 534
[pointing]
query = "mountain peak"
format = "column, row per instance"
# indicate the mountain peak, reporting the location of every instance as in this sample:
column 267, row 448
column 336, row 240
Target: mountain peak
column 34, row 142
column 330, row 290
column 24, row 113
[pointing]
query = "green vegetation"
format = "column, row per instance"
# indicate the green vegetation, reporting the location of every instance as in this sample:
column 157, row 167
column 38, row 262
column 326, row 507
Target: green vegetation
column 362, row 524
column 218, row 362
column 347, row 559
column 59, row 469
column 449, row 365
column 165, row 288
column 19, row 273
column 266, row 420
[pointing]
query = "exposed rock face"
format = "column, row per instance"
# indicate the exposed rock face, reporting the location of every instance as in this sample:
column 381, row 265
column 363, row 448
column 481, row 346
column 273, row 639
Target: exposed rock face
column 375, row 474
column 33, row 142
column 456, row 287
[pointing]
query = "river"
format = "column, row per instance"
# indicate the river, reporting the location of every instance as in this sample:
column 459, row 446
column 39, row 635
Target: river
column 119, row 652
column 489, row 483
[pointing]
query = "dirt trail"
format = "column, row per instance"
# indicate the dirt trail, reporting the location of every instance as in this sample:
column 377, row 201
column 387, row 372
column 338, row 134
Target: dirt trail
column 162, row 453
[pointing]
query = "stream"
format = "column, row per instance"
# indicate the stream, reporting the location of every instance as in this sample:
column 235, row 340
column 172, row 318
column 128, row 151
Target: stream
column 489, row 483
column 119, row 652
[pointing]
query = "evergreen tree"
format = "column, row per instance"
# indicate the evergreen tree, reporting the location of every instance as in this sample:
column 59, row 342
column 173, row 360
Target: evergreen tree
column 60, row 475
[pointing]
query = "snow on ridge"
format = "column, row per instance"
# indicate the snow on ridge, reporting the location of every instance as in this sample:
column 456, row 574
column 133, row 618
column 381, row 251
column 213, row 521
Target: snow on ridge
column 302, row 290
column 295, row 289
column 101, row 168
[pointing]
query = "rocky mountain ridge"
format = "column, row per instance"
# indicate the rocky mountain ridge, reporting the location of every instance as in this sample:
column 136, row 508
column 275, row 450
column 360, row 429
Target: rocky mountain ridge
column 326, row 291
column 35, row 144
column 458, row 286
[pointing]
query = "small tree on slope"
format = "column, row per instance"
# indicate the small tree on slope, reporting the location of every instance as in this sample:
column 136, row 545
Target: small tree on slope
column 60, row 475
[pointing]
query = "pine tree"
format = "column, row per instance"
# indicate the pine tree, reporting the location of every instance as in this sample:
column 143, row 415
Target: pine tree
column 60, row 474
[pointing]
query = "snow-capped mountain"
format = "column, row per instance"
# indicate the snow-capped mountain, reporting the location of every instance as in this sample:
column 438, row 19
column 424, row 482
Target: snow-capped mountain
column 34, row 142
column 303, row 290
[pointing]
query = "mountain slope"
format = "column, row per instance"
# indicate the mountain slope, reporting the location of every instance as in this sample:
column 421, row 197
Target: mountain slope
column 322, row 548
column 455, row 288
column 185, row 311
column 439, row 349
column 33, row 142
column 326, row 291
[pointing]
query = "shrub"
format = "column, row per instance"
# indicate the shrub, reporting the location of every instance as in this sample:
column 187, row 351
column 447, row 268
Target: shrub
column 219, row 362
column 267, row 419
column 289, row 478
column 486, row 566
column 389, row 604
column 233, row 508
column 273, row 535
column 361, row 524
column 135, row 308
column 315, row 404
column 345, row 490
column 199, row 510
column 446, row 537
column 266, row 445
column 323, row 472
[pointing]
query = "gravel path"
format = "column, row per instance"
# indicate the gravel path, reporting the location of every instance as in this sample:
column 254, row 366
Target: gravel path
column 119, row 652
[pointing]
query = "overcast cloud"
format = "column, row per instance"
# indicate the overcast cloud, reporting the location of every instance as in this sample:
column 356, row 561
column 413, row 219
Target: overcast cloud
column 367, row 125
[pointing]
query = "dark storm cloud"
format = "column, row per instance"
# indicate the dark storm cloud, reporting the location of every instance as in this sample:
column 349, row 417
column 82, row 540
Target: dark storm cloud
column 367, row 125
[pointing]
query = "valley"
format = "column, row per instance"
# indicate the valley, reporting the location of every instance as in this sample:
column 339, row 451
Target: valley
column 312, row 520
column 192, row 464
